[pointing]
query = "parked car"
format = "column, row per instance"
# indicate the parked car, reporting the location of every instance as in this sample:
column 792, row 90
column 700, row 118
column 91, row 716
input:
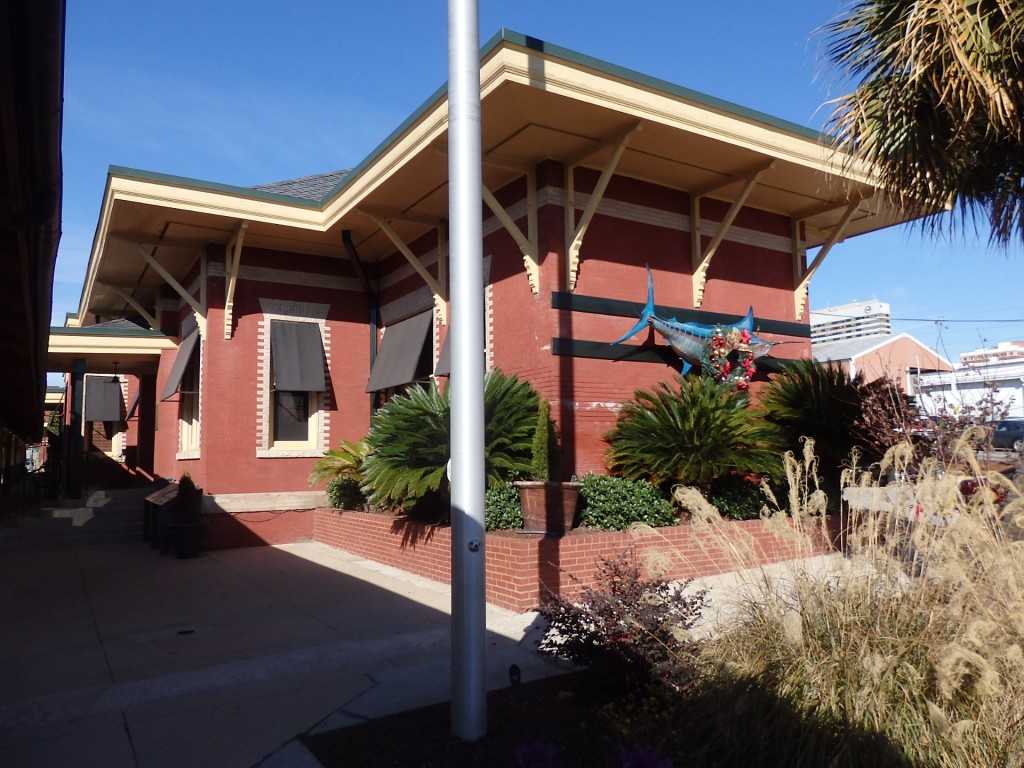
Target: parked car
column 1008, row 434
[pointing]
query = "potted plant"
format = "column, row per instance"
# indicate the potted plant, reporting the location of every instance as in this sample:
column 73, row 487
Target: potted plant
column 548, row 507
column 187, row 525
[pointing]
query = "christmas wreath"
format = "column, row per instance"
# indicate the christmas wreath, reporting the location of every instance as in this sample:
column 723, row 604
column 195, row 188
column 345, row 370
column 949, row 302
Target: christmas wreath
column 727, row 357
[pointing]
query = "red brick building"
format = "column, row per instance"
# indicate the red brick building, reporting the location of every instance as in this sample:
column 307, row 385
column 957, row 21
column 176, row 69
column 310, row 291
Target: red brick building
column 294, row 305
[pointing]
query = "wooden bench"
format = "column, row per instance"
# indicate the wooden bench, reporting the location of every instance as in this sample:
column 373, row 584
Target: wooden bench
column 156, row 506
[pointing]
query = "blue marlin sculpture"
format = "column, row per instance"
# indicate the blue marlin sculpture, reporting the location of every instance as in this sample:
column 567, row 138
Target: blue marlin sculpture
column 688, row 339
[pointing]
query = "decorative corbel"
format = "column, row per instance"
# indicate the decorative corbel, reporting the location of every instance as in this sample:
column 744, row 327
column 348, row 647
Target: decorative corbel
column 527, row 243
column 803, row 286
column 575, row 232
column 188, row 298
column 701, row 257
column 130, row 300
column 435, row 287
column 440, row 302
column 232, row 258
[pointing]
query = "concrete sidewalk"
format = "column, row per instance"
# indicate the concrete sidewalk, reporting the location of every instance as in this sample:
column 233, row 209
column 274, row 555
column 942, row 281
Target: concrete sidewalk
column 115, row 656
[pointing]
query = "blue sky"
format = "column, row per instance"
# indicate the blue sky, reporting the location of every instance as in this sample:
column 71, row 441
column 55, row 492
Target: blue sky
column 251, row 92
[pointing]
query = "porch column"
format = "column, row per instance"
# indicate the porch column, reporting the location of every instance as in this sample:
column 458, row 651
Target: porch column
column 73, row 438
column 146, row 434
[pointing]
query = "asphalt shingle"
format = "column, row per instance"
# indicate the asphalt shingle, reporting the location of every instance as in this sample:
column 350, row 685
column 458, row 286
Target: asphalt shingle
column 315, row 187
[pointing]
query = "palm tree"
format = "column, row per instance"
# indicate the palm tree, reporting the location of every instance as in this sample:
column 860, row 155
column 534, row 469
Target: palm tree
column 689, row 435
column 345, row 461
column 820, row 402
column 938, row 106
column 410, row 443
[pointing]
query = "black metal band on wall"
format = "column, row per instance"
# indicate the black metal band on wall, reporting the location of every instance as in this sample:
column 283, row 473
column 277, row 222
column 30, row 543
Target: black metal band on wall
column 603, row 350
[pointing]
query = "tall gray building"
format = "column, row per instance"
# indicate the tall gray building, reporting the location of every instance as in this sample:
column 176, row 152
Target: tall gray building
column 857, row 320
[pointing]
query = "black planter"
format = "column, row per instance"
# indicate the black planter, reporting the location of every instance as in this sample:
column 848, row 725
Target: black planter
column 186, row 538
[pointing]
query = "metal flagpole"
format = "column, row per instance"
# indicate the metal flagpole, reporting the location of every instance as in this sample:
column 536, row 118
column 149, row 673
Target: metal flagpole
column 469, row 692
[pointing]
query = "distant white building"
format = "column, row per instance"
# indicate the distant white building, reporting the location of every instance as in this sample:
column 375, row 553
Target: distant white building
column 944, row 391
column 1003, row 352
column 857, row 320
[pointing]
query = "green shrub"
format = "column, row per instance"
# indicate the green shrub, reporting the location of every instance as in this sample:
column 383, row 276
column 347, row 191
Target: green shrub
column 543, row 448
column 409, row 441
column 345, row 493
column 737, row 498
column 615, row 503
column 689, row 436
column 502, row 511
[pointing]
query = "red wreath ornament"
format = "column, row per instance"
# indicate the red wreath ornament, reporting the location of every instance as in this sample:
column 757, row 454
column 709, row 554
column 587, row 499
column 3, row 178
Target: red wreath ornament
column 727, row 357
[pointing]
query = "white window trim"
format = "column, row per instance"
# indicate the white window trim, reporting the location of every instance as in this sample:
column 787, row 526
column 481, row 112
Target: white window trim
column 193, row 451
column 319, row 402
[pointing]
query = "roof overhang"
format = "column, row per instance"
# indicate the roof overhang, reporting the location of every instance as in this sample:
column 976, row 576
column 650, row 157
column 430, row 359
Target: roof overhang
column 538, row 102
column 107, row 351
column 31, row 92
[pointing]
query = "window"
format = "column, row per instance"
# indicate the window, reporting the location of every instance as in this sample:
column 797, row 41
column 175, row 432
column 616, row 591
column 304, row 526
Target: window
column 184, row 380
column 293, row 397
column 188, row 410
column 291, row 417
column 297, row 370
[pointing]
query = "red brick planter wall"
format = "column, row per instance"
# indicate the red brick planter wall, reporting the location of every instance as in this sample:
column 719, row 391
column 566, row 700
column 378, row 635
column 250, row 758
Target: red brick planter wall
column 522, row 570
column 254, row 529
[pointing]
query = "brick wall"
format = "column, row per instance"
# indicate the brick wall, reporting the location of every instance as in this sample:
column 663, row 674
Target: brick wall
column 637, row 225
column 522, row 569
column 253, row 529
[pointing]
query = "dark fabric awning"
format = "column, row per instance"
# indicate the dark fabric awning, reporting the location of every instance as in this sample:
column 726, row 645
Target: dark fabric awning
column 103, row 401
column 185, row 350
column 444, row 360
column 133, row 405
column 400, row 352
column 297, row 356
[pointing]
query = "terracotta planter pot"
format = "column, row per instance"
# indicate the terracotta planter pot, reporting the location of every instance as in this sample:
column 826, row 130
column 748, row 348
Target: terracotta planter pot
column 548, row 507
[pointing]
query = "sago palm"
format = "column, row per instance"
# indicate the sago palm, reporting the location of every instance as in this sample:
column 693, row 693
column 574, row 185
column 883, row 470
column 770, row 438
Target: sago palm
column 938, row 108
column 410, row 441
column 689, row 434
column 817, row 401
column 345, row 461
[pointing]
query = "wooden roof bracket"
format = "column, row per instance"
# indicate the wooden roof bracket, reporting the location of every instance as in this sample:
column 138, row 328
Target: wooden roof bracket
column 197, row 306
column 232, row 258
column 435, row 287
column 129, row 299
column 701, row 256
column 527, row 243
column 804, row 275
column 442, row 271
column 575, row 232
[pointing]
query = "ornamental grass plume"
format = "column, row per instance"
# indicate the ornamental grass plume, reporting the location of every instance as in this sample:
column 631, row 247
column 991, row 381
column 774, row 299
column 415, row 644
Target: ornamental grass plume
column 905, row 648
column 907, row 651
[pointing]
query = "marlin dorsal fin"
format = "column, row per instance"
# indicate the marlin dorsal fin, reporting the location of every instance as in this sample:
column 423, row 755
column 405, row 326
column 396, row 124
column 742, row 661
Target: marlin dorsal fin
column 747, row 323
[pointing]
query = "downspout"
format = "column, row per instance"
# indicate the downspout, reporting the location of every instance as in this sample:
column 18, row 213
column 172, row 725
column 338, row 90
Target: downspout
column 371, row 295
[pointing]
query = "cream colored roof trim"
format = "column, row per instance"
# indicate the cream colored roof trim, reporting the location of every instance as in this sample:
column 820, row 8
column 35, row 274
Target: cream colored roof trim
column 512, row 63
column 123, row 344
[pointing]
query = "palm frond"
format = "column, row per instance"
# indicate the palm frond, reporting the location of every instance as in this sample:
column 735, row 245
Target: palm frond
column 938, row 107
column 410, row 439
column 690, row 434
column 346, row 461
